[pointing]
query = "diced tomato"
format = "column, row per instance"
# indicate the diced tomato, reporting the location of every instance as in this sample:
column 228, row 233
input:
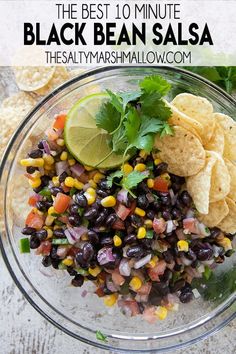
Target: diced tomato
column 73, row 251
column 159, row 225
column 122, row 211
column 99, row 292
column 160, row 184
column 190, row 225
column 133, row 206
column 159, row 269
column 34, row 220
column 51, row 134
column 60, row 121
column 44, row 249
column 65, row 188
column 117, row 279
column 84, row 178
column 145, row 289
column 33, row 199
column 64, row 219
column 149, row 314
column 61, row 203
column 132, row 306
column 118, row 225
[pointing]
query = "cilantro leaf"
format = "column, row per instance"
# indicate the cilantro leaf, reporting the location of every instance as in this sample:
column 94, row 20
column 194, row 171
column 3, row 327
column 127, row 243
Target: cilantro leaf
column 116, row 174
column 166, row 130
column 116, row 101
column 132, row 124
column 145, row 142
column 119, row 141
column 153, row 106
column 155, row 83
column 133, row 179
column 207, row 272
column 108, row 118
column 129, row 96
column 101, row 336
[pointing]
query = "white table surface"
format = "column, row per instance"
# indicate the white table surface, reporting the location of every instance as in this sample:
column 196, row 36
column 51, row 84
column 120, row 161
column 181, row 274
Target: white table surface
column 24, row 331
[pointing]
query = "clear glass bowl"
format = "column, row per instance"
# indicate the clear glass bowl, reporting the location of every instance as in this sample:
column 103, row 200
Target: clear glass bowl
column 49, row 291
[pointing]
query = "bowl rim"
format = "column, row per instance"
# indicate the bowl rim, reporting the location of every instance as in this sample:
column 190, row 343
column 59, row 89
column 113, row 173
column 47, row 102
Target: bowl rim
column 78, row 78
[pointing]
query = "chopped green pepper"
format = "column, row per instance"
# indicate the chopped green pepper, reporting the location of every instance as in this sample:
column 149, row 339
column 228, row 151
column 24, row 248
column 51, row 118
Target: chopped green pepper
column 149, row 234
column 24, row 245
column 60, row 241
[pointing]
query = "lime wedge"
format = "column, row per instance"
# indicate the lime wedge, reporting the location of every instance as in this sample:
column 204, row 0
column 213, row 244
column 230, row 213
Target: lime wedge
column 85, row 141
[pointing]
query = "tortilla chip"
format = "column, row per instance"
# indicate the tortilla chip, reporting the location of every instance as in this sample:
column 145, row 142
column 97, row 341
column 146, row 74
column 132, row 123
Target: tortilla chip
column 220, row 179
column 198, row 108
column 229, row 128
column 232, row 171
column 60, row 75
column 199, row 185
column 183, row 152
column 228, row 224
column 217, row 141
column 30, row 78
column 216, row 213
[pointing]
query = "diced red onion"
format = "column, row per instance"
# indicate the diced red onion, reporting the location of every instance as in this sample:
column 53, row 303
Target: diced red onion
column 196, row 293
column 59, row 132
column 77, row 170
column 180, row 234
column 73, row 234
column 111, row 286
column 190, row 214
column 170, row 265
column 217, row 250
column 141, row 262
column 122, row 196
column 195, row 236
column 203, row 230
column 185, row 261
column 172, row 299
column 84, row 293
column 124, row 267
column 173, row 197
column 105, row 255
column 141, row 298
column 61, row 167
column 46, row 147
column 150, row 197
column 62, row 251
column 170, row 226
column 125, row 250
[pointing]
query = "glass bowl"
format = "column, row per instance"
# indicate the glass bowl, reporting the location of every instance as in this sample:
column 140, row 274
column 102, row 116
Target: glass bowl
column 49, row 291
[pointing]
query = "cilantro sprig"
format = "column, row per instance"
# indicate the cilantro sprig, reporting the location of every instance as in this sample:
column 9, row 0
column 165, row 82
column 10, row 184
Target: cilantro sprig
column 127, row 182
column 100, row 336
column 133, row 118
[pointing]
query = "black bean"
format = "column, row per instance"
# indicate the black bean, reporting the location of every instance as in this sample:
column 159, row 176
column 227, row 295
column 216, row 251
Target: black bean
column 178, row 267
column 42, row 234
column 111, row 219
column 141, row 307
column 191, row 255
column 161, row 168
column 136, row 220
column 102, row 193
column 45, row 180
column 63, row 176
column 162, row 288
column 93, row 237
column 103, row 184
column 186, row 296
column 117, row 254
column 78, row 280
column 186, row 198
column 74, row 220
column 81, row 200
column 136, row 251
column 88, row 251
column 34, row 242
column 177, row 179
column 215, row 232
column 38, row 189
column 71, row 271
column 166, row 213
column 175, row 187
column 101, row 217
column 220, row 259
column 28, row 230
column 195, row 264
column 56, row 190
column 55, row 262
column 53, row 253
column 34, row 154
column 168, row 256
column 131, row 238
column 91, row 213
column 205, row 254
column 80, row 259
column 166, row 276
column 40, row 145
column 46, row 261
column 176, row 213
column 107, row 291
column 165, row 199
column 146, row 243
column 179, row 204
column 60, row 233
column 73, row 209
column 90, row 277
column 31, row 169
column 142, row 201
column 143, row 187
column 155, row 297
column 157, row 205
column 151, row 214
column 130, row 229
column 172, row 239
column 178, row 285
column 106, row 241
column 43, row 205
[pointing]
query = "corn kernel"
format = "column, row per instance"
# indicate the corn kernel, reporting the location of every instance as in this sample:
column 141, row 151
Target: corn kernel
column 110, row 300
column 78, row 185
column 56, row 227
column 67, row 262
column 139, row 211
column 49, row 220
column 182, row 245
column 36, row 174
column 140, row 167
column 35, row 183
column 226, row 243
column 92, row 184
column 69, row 182
column 141, row 232
column 148, row 223
column 94, row 271
column 60, row 142
column 48, row 159
column 51, row 210
column 47, row 167
column 135, row 283
column 127, row 168
column 64, row 156
column 91, row 191
column 71, row 162
column 157, row 161
column 108, row 202
column 84, row 237
column 98, row 177
column 55, row 181
column 90, row 198
column 50, row 233
column 117, row 241
column 39, row 162
column 165, row 176
column 143, row 154
column 161, row 312
column 153, row 262
column 150, row 183
column 88, row 168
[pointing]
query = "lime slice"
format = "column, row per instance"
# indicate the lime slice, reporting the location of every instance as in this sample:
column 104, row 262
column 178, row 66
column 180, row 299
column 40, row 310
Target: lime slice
column 85, row 141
